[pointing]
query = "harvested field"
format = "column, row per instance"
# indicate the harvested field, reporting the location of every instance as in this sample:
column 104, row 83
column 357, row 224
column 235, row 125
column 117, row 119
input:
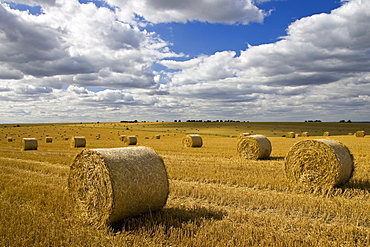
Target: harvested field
column 215, row 199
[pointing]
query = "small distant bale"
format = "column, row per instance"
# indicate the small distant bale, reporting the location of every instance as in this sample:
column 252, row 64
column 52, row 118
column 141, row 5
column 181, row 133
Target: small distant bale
column 78, row 142
column 146, row 137
column 326, row 133
column 350, row 134
column 10, row 139
column 130, row 140
column 48, row 139
column 109, row 185
column 29, row 144
column 319, row 163
column 360, row 133
column 241, row 135
column 157, row 136
column 297, row 135
column 290, row 135
column 122, row 138
column 192, row 141
column 304, row 134
column 254, row 147
column 66, row 138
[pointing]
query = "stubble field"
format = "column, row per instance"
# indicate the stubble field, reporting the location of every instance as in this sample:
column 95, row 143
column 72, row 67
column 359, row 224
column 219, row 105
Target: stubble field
column 216, row 198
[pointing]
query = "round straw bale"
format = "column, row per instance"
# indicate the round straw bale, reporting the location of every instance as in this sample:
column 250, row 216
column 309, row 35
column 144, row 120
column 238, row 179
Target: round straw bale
column 241, row 135
column 192, row 141
column 108, row 185
column 360, row 133
column 78, row 142
column 304, row 134
column 290, row 135
column 326, row 133
column 10, row 139
column 29, row 144
column 319, row 163
column 130, row 140
column 157, row 136
column 254, row 147
column 48, row 139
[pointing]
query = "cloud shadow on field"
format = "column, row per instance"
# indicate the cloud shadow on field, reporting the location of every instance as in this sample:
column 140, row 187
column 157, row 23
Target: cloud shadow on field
column 168, row 218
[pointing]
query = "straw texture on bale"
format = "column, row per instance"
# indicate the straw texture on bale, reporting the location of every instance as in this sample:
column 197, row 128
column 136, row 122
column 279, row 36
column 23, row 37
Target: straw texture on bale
column 360, row 133
column 78, row 142
column 254, row 147
column 192, row 141
column 109, row 185
column 29, row 144
column 319, row 163
column 326, row 133
column 243, row 135
column 290, row 135
column 48, row 139
column 304, row 134
column 130, row 140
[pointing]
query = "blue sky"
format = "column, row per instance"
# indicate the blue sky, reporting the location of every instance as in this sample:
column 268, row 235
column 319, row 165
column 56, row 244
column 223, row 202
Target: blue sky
column 278, row 60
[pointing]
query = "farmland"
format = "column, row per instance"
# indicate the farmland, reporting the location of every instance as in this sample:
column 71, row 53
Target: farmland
column 216, row 198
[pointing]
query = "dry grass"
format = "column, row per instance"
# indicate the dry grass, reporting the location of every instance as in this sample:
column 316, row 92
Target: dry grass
column 215, row 198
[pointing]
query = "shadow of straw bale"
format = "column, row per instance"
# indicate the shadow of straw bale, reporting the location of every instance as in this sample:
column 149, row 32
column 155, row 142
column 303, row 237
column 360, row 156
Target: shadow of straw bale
column 276, row 158
column 361, row 184
column 168, row 218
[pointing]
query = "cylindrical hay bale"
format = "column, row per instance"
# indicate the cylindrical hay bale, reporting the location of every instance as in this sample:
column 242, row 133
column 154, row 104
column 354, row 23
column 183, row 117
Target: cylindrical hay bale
column 192, row 141
column 29, row 144
column 326, row 133
column 360, row 133
column 78, row 142
column 109, row 185
column 10, row 139
column 304, row 134
column 122, row 138
column 48, row 139
column 130, row 140
column 243, row 135
column 157, row 136
column 290, row 135
column 254, row 147
column 319, row 163
column 297, row 135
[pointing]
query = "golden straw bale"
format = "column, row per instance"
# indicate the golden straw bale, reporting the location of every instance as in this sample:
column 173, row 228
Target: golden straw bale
column 319, row 163
column 10, row 139
column 360, row 133
column 192, row 141
column 111, row 184
column 326, row 133
column 304, row 134
column 254, row 147
column 29, row 144
column 130, row 140
column 48, row 139
column 78, row 142
column 157, row 136
column 290, row 135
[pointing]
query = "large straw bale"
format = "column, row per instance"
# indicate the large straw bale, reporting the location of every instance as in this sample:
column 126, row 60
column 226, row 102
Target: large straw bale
column 130, row 140
column 254, row 147
column 360, row 133
column 48, row 139
column 78, row 142
column 290, row 135
column 192, row 141
column 29, row 144
column 319, row 163
column 109, row 185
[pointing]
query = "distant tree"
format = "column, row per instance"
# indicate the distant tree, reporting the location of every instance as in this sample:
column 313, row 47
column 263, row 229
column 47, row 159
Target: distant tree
column 342, row 121
column 175, row 121
column 349, row 121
